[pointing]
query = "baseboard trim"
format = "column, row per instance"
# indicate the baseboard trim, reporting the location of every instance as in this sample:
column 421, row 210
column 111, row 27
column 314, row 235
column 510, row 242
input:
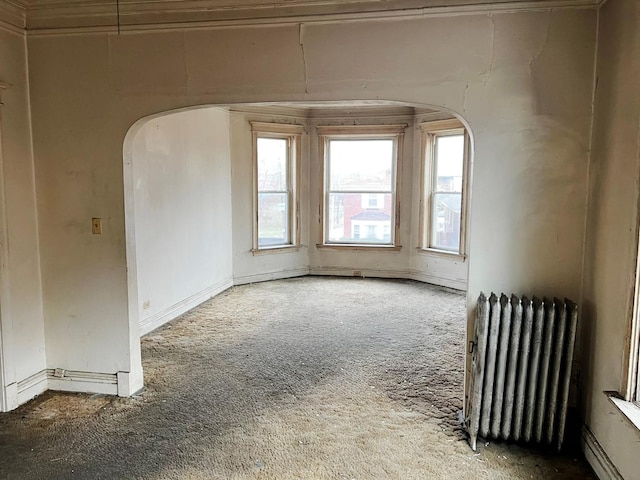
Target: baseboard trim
column 385, row 273
column 455, row 283
column 85, row 382
column 597, row 457
column 32, row 386
column 276, row 275
column 358, row 272
column 158, row 319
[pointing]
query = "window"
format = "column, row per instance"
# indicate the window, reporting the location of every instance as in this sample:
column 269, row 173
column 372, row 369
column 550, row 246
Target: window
column 631, row 389
column 276, row 152
column 445, row 153
column 360, row 184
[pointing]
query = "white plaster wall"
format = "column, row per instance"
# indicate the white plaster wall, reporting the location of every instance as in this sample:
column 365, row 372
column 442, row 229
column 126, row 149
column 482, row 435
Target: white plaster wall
column 521, row 80
column 612, row 241
column 248, row 267
column 22, row 317
column 182, row 209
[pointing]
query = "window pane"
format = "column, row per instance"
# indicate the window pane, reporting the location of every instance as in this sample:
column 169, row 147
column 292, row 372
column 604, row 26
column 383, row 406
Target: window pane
column 273, row 219
column 272, row 164
column 449, row 155
column 352, row 220
column 445, row 226
column 357, row 165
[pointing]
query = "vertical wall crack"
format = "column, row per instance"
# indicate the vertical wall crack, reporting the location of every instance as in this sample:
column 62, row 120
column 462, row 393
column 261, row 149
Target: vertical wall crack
column 464, row 99
column 489, row 69
column 304, row 58
column 544, row 43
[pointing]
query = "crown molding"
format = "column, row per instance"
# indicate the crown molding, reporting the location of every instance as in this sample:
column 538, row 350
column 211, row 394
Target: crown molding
column 80, row 16
column 13, row 16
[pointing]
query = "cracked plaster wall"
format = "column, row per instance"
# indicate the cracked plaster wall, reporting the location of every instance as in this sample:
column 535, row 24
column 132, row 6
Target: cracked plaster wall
column 522, row 81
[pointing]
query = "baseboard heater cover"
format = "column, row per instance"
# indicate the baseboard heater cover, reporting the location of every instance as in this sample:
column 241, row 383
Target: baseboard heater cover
column 522, row 356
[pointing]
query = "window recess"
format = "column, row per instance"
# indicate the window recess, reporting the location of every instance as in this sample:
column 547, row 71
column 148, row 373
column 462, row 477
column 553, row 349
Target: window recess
column 276, row 158
column 445, row 154
column 360, row 185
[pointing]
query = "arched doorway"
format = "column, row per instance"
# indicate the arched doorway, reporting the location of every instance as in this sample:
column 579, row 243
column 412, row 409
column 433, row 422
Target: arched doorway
column 190, row 204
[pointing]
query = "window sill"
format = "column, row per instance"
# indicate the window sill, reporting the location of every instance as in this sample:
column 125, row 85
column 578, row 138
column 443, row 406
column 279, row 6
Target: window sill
column 276, row 249
column 630, row 410
column 357, row 246
column 444, row 253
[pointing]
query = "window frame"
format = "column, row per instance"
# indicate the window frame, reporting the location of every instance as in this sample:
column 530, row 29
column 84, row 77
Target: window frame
column 293, row 134
column 360, row 132
column 430, row 131
column 631, row 385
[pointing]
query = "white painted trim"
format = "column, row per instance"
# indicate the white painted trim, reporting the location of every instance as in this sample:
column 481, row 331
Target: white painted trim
column 358, row 272
column 83, row 382
column 597, row 457
column 11, row 395
column 120, row 383
column 8, row 387
column 128, row 383
column 160, row 318
column 456, row 284
column 629, row 409
column 266, row 276
column 76, row 17
column 32, row 386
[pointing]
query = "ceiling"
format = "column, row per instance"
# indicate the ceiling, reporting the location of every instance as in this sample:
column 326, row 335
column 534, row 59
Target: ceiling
column 43, row 15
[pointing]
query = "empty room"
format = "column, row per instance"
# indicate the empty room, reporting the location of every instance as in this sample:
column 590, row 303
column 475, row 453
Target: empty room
column 319, row 239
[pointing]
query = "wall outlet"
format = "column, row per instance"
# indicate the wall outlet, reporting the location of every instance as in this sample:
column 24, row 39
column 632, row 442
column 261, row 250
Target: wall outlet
column 146, row 305
column 59, row 372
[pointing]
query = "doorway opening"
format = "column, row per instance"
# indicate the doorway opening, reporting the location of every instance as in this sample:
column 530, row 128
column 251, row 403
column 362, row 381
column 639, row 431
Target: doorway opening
column 197, row 194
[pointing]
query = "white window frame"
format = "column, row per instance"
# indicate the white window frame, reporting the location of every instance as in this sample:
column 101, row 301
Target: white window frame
column 631, row 386
column 627, row 400
column 361, row 132
column 430, row 131
column 293, row 135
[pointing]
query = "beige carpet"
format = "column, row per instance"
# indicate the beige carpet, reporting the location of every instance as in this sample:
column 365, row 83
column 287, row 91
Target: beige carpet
column 309, row 378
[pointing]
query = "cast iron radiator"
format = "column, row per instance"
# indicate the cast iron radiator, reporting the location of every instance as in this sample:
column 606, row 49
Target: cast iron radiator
column 521, row 369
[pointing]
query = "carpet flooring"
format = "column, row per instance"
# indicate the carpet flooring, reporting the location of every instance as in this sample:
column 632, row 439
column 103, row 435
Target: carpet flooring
column 306, row 378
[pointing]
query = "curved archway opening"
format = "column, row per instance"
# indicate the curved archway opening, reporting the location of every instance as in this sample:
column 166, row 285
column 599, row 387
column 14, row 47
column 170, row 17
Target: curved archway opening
column 192, row 207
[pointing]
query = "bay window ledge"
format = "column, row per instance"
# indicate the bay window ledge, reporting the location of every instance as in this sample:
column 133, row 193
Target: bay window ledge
column 444, row 253
column 630, row 410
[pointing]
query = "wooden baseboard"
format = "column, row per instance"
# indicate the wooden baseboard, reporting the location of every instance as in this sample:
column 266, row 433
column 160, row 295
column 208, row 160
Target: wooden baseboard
column 597, row 457
column 276, row 275
column 158, row 319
